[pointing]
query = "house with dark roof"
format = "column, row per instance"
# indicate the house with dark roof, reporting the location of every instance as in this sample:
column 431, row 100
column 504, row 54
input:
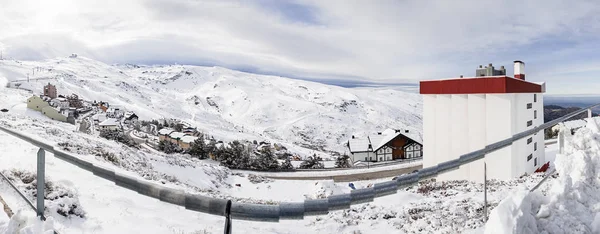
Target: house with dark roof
column 386, row 146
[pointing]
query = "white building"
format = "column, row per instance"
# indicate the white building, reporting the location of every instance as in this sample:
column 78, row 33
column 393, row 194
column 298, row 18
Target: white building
column 465, row 114
column 109, row 124
column 60, row 102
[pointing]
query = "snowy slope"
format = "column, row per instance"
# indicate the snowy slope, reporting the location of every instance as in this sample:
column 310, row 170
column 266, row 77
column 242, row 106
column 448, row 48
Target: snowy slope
column 229, row 104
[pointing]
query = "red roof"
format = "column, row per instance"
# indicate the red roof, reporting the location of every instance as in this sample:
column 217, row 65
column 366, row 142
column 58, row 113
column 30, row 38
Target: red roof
column 489, row 84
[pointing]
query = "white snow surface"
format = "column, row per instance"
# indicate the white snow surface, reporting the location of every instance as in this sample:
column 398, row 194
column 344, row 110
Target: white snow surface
column 229, row 104
column 571, row 205
column 26, row 222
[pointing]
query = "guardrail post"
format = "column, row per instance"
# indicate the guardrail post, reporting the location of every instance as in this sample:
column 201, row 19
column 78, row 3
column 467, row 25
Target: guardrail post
column 41, row 171
column 485, row 211
column 561, row 141
column 228, row 217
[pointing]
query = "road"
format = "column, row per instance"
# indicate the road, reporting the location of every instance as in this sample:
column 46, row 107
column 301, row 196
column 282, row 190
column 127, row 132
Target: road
column 351, row 177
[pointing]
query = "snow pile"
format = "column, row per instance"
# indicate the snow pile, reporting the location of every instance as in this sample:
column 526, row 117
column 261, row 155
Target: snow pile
column 573, row 202
column 57, row 198
column 513, row 215
column 26, row 222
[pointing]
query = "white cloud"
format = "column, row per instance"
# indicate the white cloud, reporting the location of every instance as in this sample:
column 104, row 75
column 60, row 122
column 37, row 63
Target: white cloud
column 380, row 41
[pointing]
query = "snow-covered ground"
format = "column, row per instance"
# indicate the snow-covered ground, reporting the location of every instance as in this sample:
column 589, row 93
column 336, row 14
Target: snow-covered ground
column 306, row 117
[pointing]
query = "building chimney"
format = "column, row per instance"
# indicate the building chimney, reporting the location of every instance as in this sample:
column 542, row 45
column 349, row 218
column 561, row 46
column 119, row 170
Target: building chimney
column 519, row 70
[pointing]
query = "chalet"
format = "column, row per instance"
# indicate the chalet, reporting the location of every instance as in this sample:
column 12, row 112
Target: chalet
column 131, row 118
column 386, row 146
column 164, row 133
column 109, row 124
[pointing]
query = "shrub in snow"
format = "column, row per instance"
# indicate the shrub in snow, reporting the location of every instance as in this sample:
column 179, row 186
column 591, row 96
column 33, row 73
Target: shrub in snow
column 312, row 162
column 255, row 179
column 343, row 161
column 58, row 199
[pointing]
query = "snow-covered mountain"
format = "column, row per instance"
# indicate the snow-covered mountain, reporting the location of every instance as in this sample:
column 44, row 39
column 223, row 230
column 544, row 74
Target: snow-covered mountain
column 304, row 116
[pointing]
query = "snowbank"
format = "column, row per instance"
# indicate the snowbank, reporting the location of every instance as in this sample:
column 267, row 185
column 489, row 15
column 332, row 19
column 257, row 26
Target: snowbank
column 573, row 202
column 513, row 215
column 26, row 222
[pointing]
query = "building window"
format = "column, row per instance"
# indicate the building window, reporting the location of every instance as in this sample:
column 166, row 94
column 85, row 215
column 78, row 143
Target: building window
column 535, row 114
column 534, row 97
column 535, row 162
column 529, row 105
column 529, row 123
column 529, row 140
column 535, row 146
column 529, row 157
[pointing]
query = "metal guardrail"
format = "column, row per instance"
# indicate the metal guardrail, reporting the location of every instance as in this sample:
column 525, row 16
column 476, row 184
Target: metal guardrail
column 285, row 210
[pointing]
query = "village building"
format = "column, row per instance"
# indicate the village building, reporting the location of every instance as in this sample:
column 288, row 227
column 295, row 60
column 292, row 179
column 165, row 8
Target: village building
column 175, row 137
column 186, row 142
column 74, row 101
column 54, row 113
column 50, row 91
column 385, row 146
column 163, row 134
column 131, row 118
column 36, row 103
column 60, row 102
column 109, row 124
column 462, row 115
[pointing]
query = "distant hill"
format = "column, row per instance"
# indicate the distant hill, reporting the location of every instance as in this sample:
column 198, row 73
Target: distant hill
column 552, row 112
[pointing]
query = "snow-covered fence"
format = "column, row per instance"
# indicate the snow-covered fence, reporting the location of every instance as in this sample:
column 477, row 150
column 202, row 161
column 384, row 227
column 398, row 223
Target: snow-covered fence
column 286, row 210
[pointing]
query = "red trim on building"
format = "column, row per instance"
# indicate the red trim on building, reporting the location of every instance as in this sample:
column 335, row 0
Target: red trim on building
column 502, row 84
column 520, row 76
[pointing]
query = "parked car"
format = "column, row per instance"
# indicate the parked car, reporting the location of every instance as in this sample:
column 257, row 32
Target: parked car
column 4, row 110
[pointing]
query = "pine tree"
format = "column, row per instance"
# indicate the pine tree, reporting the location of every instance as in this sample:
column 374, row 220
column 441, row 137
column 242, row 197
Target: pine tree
column 343, row 161
column 266, row 160
column 168, row 147
column 313, row 162
column 198, row 148
column 286, row 165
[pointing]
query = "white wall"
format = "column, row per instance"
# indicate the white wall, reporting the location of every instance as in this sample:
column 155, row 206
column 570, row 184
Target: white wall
column 476, row 133
column 459, row 130
column 429, row 156
column 443, row 137
column 457, row 124
column 498, row 127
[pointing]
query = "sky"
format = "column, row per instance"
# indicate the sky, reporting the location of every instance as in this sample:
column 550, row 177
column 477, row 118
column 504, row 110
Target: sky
column 351, row 43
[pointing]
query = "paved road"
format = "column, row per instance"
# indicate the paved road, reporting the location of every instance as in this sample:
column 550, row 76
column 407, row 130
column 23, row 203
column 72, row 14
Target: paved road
column 353, row 177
